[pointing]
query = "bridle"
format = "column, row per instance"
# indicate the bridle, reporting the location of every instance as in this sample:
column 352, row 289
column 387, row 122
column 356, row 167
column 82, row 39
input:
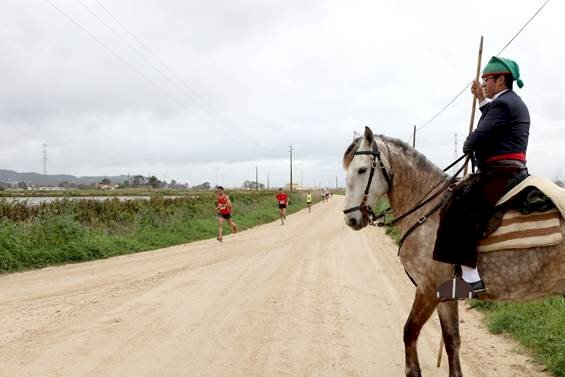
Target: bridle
column 365, row 209
column 372, row 218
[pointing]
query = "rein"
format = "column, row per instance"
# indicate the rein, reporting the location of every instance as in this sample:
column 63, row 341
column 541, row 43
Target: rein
column 367, row 211
column 448, row 185
column 422, row 203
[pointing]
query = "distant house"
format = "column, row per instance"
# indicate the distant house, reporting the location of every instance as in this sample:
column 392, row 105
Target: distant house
column 295, row 186
column 105, row 186
column 49, row 188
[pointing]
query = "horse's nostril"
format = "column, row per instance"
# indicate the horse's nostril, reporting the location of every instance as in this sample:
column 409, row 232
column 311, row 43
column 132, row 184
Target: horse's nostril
column 352, row 221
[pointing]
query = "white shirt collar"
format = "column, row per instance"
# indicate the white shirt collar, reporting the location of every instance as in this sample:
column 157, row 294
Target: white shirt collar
column 498, row 94
column 488, row 100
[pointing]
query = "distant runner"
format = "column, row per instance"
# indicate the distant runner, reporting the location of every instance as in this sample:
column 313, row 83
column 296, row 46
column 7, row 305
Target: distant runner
column 309, row 201
column 282, row 200
column 326, row 195
column 224, row 208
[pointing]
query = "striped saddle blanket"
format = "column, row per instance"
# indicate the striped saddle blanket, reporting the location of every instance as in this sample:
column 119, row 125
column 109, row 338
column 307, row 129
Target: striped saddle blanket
column 519, row 231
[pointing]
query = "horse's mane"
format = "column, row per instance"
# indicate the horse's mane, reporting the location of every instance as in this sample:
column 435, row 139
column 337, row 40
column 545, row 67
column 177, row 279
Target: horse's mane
column 420, row 161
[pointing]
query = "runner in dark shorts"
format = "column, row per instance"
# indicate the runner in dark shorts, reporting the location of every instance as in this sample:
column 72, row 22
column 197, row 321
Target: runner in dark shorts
column 282, row 200
column 224, row 208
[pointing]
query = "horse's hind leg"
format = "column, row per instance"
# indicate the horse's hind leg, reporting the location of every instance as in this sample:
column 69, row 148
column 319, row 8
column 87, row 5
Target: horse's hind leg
column 449, row 319
column 422, row 309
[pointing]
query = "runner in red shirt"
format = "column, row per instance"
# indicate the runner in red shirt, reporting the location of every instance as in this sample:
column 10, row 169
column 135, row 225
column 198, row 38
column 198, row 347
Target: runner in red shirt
column 282, row 200
column 224, row 208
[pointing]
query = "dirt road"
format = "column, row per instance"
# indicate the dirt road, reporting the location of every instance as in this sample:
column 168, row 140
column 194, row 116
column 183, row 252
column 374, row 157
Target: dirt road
column 310, row 298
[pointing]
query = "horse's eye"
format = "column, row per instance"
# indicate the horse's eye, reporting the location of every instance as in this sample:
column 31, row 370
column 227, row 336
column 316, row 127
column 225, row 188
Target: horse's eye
column 362, row 170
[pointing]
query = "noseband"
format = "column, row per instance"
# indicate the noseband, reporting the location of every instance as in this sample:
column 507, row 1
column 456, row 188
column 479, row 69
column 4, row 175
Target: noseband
column 366, row 210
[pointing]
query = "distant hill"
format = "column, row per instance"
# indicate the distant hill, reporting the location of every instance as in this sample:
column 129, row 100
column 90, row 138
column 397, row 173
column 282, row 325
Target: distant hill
column 10, row 176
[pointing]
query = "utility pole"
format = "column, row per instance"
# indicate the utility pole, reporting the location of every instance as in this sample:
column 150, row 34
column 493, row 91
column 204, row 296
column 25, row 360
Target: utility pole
column 257, row 177
column 336, row 183
column 414, row 138
column 45, row 164
column 268, row 183
column 290, row 149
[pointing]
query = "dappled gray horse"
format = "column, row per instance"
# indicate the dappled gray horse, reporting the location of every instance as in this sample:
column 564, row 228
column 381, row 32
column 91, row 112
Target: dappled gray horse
column 406, row 177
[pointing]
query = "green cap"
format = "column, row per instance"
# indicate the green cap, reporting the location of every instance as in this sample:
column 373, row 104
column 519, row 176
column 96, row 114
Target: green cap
column 497, row 65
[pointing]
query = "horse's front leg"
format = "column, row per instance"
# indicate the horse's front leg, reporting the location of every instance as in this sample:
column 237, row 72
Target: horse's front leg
column 449, row 319
column 422, row 309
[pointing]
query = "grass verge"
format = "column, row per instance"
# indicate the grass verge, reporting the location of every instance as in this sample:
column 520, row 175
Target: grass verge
column 538, row 325
column 68, row 231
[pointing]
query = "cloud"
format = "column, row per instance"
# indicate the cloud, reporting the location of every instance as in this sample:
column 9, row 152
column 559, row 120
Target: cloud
column 241, row 81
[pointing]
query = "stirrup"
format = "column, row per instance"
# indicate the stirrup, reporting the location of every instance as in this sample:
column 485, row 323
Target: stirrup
column 454, row 289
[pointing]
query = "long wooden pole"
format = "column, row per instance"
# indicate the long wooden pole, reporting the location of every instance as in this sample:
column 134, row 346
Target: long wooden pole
column 474, row 108
column 439, row 353
column 474, row 98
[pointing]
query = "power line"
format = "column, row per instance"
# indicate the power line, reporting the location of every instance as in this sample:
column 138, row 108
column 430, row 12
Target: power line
column 122, row 39
column 171, row 76
column 133, row 68
column 469, row 84
column 114, row 53
column 443, row 108
column 523, row 27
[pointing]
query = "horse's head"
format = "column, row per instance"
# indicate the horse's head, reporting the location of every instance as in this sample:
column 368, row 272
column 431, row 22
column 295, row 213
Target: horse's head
column 367, row 177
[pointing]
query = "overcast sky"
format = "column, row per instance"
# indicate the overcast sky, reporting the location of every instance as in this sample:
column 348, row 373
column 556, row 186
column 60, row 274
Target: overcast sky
column 208, row 90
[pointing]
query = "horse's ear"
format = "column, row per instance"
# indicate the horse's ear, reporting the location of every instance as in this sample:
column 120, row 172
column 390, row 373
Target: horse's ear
column 369, row 135
column 356, row 135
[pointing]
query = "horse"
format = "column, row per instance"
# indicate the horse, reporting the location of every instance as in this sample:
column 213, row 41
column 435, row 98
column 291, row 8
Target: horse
column 380, row 166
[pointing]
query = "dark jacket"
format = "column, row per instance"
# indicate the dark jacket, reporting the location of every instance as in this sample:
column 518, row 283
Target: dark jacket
column 503, row 128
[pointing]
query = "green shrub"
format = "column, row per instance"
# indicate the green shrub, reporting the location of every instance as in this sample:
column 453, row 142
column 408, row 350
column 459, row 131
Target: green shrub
column 68, row 230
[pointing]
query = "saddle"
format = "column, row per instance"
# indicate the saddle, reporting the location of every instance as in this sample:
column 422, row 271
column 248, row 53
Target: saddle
column 527, row 216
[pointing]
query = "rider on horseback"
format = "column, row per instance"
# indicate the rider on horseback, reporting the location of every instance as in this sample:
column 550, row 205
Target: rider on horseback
column 499, row 147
